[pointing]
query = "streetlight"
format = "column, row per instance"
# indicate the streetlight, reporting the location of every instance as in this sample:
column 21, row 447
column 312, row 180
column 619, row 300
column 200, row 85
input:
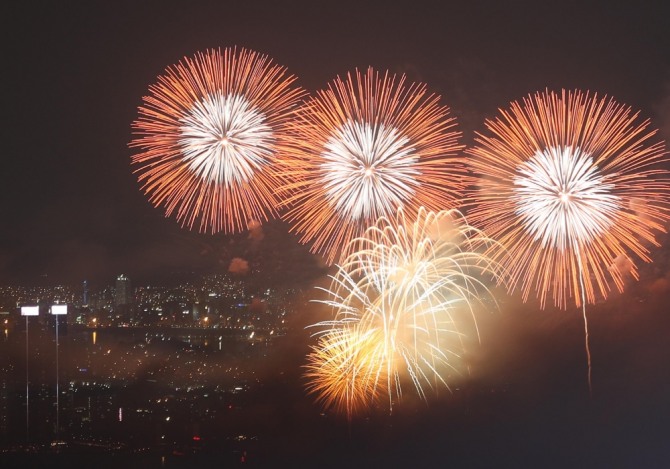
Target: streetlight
column 28, row 311
column 57, row 311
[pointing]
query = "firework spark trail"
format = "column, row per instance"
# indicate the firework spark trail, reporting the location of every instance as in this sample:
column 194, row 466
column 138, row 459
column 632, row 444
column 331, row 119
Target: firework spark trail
column 406, row 288
column 568, row 184
column 208, row 136
column 587, row 347
column 366, row 146
column 341, row 371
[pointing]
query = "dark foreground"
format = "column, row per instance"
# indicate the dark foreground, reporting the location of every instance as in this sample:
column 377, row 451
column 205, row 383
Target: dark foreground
column 526, row 404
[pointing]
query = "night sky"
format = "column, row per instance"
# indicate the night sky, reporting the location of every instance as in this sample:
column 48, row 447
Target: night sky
column 71, row 209
column 74, row 74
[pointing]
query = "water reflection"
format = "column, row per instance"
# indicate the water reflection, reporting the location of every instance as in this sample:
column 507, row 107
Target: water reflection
column 132, row 389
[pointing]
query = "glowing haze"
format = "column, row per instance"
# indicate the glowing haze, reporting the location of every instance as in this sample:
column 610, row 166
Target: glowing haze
column 402, row 302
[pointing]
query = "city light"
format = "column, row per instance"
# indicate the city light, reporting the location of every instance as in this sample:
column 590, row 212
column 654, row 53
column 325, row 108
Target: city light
column 28, row 311
column 58, row 310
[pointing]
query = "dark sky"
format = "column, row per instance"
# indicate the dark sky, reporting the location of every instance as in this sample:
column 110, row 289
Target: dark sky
column 75, row 72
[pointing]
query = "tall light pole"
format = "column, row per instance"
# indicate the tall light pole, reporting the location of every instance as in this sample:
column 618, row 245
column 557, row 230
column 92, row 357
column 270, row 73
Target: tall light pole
column 28, row 311
column 57, row 311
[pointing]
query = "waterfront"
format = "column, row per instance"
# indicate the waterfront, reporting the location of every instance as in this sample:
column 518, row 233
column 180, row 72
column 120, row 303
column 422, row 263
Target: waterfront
column 130, row 390
column 526, row 401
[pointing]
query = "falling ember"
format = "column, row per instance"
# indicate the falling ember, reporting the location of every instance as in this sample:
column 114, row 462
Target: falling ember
column 559, row 177
column 400, row 300
column 367, row 146
column 208, row 136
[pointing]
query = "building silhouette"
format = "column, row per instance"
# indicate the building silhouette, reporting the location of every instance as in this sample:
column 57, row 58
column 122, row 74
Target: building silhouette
column 123, row 293
column 85, row 295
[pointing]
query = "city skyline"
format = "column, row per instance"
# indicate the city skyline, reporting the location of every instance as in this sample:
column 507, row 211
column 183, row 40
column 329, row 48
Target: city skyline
column 537, row 397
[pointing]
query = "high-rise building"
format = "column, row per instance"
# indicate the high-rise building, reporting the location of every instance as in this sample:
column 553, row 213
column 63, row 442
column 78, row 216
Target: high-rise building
column 123, row 293
column 85, row 298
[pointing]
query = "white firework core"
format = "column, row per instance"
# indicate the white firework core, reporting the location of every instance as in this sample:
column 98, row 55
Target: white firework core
column 225, row 139
column 369, row 170
column 562, row 197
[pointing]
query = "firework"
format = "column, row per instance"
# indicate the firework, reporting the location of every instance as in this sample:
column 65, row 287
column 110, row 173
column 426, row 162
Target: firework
column 208, row 135
column 341, row 370
column 572, row 190
column 368, row 145
column 569, row 183
column 399, row 301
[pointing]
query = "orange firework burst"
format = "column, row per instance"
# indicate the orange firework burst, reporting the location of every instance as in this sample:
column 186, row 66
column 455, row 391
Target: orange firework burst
column 367, row 146
column 571, row 188
column 402, row 301
column 209, row 133
column 342, row 370
column 569, row 184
